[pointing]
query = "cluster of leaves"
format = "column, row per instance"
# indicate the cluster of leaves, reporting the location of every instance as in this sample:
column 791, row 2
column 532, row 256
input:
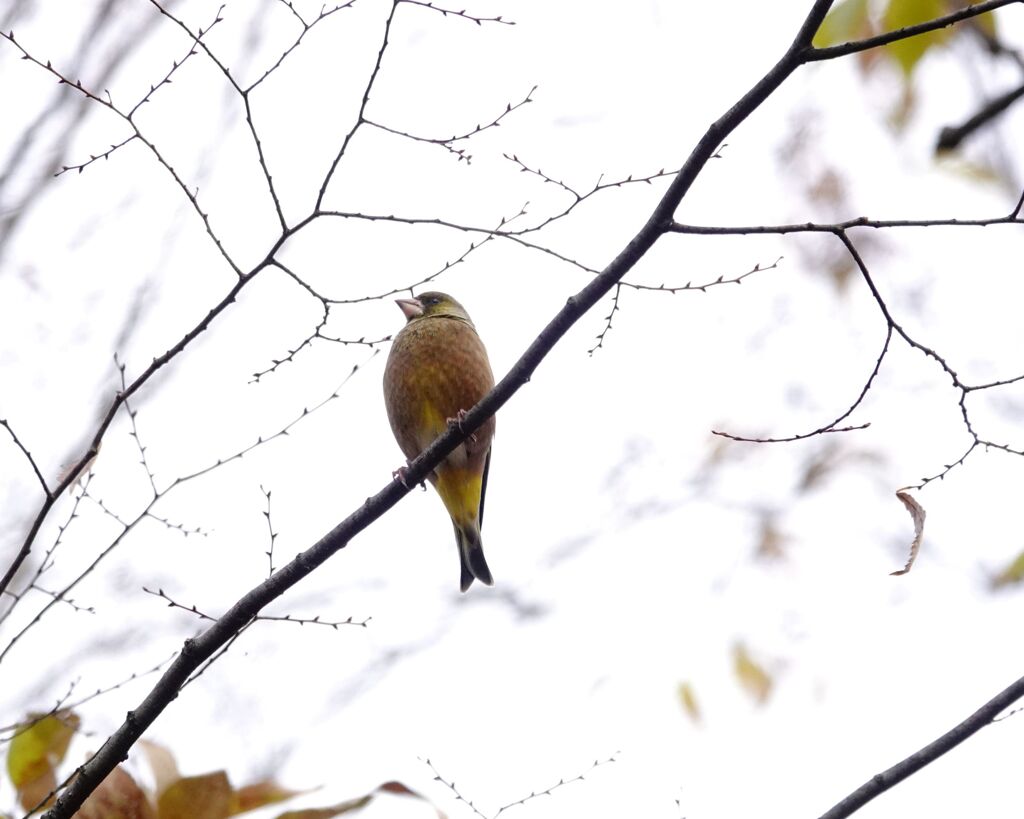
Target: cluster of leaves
column 853, row 20
column 38, row 749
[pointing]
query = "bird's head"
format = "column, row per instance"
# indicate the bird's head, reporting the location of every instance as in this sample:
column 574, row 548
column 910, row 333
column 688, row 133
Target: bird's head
column 427, row 305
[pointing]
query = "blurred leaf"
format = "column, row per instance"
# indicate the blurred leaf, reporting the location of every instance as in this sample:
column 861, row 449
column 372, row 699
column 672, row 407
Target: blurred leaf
column 352, row 805
column 688, row 699
column 258, row 795
column 848, row 20
column 829, row 460
column 40, row 746
column 33, row 793
column 117, row 797
column 985, row 22
column 754, row 679
column 917, row 514
column 827, row 188
column 161, row 762
column 770, row 539
column 327, row 813
column 1012, row 574
column 197, row 797
column 970, row 170
column 35, row 753
column 902, row 13
column 819, row 466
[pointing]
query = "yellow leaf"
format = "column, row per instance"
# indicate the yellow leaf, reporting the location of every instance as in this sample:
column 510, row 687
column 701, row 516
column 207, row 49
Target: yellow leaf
column 847, row 21
column 688, row 698
column 36, row 751
column 902, row 13
column 197, row 797
column 41, row 746
column 917, row 515
column 1012, row 574
column 752, row 676
column 117, row 797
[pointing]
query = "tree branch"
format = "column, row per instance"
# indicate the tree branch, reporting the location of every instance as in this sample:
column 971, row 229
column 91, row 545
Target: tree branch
column 951, row 136
column 196, row 651
column 880, row 783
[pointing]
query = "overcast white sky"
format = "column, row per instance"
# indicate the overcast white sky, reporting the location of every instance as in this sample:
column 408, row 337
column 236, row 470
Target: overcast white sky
column 622, row 535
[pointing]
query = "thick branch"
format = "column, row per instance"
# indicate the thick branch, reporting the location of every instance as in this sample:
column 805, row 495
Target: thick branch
column 951, row 136
column 882, row 782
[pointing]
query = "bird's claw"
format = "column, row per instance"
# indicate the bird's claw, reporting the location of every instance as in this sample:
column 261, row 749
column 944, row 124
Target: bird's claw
column 401, row 475
column 457, row 422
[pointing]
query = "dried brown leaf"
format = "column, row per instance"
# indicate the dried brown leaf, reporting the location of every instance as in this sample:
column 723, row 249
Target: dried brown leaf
column 917, row 514
column 197, row 797
column 117, row 797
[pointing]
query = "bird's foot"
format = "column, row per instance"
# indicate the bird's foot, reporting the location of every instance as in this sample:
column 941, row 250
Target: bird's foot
column 399, row 475
column 457, row 422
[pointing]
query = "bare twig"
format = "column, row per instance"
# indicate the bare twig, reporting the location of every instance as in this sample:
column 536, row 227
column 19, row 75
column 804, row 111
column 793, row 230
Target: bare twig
column 463, row 13
column 28, row 455
column 663, row 288
column 360, row 117
column 314, row 621
column 561, row 783
column 270, row 532
column 832, row 426
column 577, row 197
column 448, row 143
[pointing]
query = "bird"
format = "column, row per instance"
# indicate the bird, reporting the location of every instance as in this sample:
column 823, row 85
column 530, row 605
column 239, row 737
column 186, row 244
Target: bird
column 436, row 371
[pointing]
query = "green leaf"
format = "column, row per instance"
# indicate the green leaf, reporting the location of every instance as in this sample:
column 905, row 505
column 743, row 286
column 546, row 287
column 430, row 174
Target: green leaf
column 902, row 13
column 1011, row 574
column 40, row 747
column 847, row 21
column 35, row 753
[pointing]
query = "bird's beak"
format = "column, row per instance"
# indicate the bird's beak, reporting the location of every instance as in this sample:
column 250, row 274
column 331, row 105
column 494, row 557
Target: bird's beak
column 410, row 307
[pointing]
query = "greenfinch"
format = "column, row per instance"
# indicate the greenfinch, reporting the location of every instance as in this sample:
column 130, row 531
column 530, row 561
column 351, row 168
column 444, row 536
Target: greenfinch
column 438, row 370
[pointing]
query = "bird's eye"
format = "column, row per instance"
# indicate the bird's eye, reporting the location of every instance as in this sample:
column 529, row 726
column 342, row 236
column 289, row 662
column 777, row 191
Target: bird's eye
column 432, row 300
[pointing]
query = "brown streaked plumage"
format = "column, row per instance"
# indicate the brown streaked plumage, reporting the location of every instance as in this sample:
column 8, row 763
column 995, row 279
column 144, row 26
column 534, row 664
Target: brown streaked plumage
column 437, row 369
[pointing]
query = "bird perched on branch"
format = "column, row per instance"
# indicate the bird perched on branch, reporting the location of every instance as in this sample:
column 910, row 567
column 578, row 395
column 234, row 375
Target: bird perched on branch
column 438, row 370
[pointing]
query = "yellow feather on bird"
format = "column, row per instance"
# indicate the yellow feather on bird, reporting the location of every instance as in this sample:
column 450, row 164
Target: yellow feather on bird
column 438, row 370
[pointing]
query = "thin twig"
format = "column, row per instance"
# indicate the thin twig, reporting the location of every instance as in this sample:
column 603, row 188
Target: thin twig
column 28, row 455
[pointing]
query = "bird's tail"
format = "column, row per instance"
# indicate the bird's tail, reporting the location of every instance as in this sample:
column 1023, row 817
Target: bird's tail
column 471, row 556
